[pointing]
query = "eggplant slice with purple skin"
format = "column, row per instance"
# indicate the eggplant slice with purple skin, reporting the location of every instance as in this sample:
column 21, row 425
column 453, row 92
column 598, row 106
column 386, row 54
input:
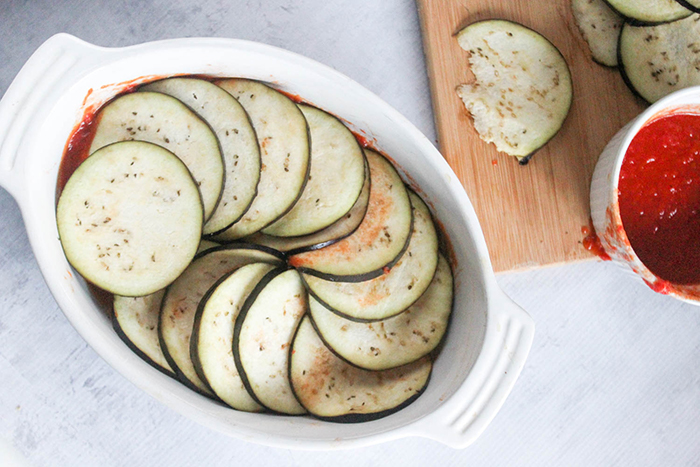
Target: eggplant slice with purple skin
column 237, row 140
column 135, row 320
column 331, row 234
column 263, row 336
column 522, row 91
column 130, row 218
column 395, row 341
column 212, row 335
column 331, row 389
column 395, row 290
column 182, row 299
column 285, row 147
column 335, row 180
column 380, row 239
column 600, row 27
column 692, row 5
column 649, row 12
column 163, row 120
column 658, row 60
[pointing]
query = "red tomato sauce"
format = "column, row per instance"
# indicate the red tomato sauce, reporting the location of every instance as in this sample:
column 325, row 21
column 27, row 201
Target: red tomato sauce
column 659, row 197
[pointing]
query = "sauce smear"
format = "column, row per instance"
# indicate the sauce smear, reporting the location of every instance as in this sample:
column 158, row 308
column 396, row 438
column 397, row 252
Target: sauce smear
column 659, row 197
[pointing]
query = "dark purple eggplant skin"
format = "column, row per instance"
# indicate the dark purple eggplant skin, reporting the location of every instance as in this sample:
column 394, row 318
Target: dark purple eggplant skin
column 689, row 6
column 623, row 73
column 368, row 275
column 303, row 185
column 267, row 278
column 120, row 332
column 350, row 417
column 636, row 22
column 178, row 373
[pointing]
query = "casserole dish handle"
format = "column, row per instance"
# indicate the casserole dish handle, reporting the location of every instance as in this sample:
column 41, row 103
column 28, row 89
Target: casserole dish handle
column 50, row 68
column 467, row 413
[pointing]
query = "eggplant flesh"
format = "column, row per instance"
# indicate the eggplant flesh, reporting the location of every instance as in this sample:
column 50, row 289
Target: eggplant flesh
column 332, row 389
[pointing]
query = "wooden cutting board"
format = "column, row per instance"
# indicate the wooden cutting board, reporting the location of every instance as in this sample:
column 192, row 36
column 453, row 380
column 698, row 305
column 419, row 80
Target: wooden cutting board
column 532, row 215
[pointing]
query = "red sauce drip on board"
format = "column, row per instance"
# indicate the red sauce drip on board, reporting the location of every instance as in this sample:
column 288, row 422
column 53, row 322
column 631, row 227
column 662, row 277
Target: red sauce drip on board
column 591, row 242
column 659, row 197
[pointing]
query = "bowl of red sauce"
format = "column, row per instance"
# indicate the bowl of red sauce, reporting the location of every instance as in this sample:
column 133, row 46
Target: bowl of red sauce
column 645, row 196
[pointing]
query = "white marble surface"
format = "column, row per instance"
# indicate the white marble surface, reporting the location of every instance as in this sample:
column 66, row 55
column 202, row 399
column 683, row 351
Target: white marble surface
column 612, row 378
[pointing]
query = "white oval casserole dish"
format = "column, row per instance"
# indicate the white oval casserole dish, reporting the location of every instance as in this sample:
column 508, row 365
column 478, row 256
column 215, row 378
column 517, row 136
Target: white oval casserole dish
column 489, row 336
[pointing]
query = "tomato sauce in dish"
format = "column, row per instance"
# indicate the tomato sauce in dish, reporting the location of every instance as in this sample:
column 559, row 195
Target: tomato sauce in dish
column 659, row 197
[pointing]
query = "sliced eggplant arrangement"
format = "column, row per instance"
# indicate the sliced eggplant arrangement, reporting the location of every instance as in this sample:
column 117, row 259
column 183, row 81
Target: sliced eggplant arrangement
column 239, row 145
column 650, row 11
column 163, row 120
column 333, row 390
column 183, row 297
column 335, row 180
column 600, row 27
column 395, row 290
column 135, row 320
column 284, row 149
column 212, row 335
column 379, row 240
column 287, row 183
column 337, row 231
column 130, row 218
column 523, row 90
column 395, row 341
column 657, row 60
column 263, row 338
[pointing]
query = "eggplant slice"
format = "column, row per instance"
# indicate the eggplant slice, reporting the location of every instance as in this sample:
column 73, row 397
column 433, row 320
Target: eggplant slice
column 135, row 320
column 263, row 337
column 395, row 341
column 337, row 231
column 600, row 27
column 335, row 180
column 692, row 5
column 379, row 240
column 182, row 298
column 640, row 12
column 163, row 120
column 657, row 60
column 333, row 390
column 396, row 289
column 283, row 137
column 212, row 335
column 239, row 145
column 523, row 90
column 130, row 218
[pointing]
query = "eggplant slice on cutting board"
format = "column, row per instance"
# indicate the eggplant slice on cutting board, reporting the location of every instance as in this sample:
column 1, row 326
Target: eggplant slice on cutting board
column 649, row 12
column 658, row 60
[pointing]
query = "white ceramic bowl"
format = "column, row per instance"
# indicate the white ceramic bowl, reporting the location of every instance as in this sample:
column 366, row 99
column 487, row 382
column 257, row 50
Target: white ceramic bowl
column 605, row 209
column 489, row 336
